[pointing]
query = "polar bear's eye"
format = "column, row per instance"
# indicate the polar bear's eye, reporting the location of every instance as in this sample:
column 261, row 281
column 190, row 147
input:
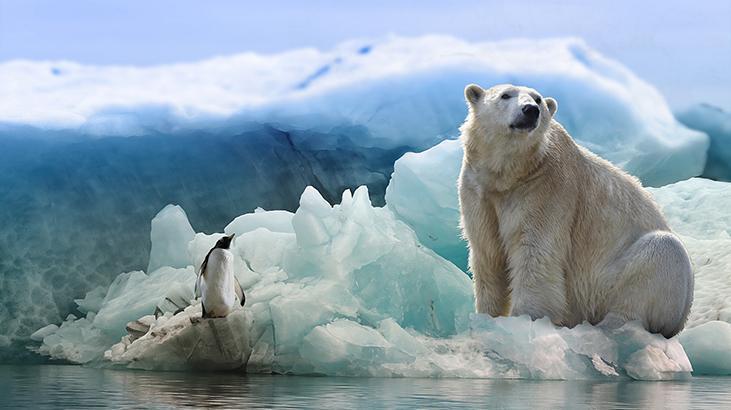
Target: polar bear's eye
column 538, row 100
column 505, row 96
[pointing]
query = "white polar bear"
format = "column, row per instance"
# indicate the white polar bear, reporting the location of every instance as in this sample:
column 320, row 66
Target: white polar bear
column 556, row 231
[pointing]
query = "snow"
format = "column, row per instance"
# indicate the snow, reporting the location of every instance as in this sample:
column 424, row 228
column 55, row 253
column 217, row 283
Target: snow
column 716, row 123
column 403, row 91
column 348, row 290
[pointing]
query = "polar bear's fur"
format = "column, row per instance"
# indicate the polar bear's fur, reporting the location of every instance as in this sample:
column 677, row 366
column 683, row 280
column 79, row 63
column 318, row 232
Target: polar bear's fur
column 556, row 231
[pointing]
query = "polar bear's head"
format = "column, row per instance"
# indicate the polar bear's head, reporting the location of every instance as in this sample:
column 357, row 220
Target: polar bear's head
column 507, row 127
column 509, row 111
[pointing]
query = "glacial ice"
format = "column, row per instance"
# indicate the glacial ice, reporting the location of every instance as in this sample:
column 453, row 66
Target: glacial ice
column 716, row 123
column 74, row 212
column 403, row 91
column 707, row 346
column 351, row 261
column 423, row 193
column 184, row 342
column 349, row 290
column 135, row 294
column 696, row 209
column 169, row 238
column 91, row 153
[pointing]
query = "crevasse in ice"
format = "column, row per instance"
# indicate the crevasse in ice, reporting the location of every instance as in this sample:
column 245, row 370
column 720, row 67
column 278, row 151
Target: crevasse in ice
column 349, row 290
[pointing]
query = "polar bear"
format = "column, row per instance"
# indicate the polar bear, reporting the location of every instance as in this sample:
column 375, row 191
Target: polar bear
column 555, row 231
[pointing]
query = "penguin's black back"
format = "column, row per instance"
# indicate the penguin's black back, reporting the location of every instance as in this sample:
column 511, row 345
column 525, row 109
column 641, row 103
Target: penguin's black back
column 223, row 243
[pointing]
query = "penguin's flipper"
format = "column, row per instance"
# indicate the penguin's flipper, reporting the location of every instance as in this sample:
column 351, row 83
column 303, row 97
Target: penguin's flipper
column 198, row 287
column 203, row 310
column 201, row 272
column 239, row 291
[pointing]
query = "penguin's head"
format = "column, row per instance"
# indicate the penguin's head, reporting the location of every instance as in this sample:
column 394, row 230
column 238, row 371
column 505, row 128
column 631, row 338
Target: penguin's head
column 225, row 242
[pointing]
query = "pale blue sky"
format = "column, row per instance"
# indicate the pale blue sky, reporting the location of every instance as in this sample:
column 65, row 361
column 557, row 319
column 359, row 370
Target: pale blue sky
column 682, row 47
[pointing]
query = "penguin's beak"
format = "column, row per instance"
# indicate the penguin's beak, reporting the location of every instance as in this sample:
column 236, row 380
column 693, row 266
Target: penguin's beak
column 232, row 236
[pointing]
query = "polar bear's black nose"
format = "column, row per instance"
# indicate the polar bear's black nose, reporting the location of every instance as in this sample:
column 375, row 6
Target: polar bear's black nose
column 531, row 111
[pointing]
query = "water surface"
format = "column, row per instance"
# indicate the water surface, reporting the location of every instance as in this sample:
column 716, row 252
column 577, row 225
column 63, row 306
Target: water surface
column 57, row 386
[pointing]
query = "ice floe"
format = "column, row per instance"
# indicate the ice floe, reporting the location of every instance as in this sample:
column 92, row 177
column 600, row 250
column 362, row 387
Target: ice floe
column 349, row 290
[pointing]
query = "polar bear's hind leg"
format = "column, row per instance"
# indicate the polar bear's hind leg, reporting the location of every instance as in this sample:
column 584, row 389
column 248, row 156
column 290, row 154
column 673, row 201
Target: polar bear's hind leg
column 655, row 285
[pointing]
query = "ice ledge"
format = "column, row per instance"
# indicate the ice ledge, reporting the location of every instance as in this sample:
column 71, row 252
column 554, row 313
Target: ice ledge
column 186, row 341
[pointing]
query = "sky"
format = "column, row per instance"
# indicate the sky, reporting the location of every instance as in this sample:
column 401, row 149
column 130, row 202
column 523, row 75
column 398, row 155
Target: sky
column 682, row 47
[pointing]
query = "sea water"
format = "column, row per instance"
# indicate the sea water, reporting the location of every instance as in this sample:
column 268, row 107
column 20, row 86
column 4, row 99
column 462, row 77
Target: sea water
column 60, row 386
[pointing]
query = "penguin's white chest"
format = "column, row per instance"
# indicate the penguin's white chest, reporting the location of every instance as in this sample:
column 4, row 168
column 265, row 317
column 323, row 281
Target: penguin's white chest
column 217, row 285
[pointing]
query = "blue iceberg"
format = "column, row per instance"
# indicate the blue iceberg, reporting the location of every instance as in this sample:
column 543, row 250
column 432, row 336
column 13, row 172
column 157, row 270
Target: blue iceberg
column 717, row 124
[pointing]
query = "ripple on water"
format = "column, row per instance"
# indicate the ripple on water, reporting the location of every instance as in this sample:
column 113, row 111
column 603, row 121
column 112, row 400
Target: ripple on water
column 55, row 386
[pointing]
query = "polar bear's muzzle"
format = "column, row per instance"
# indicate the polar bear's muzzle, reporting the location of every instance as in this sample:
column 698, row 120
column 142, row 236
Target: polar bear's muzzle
column 528, row 117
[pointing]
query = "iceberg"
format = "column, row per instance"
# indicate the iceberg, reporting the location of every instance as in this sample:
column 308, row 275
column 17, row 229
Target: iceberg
column 403, row 91
column 716, row 123
column 423, row 193
column 185, row 342
column 351, row 260
column 343, row 290
column 135, row 294
column 76, row 212
column 169, row 237
column 707, row 347
column 91, row 153
column 697, row 210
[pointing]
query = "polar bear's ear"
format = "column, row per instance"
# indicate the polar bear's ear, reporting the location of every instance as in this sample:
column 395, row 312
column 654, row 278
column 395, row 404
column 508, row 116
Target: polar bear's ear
column 473, row 93
column 552, row 105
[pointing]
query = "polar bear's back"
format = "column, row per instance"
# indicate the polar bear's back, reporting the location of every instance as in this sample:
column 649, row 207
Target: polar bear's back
column 611, row 213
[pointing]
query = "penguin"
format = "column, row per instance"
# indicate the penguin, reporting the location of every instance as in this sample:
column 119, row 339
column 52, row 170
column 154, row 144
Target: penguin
column 217, row 285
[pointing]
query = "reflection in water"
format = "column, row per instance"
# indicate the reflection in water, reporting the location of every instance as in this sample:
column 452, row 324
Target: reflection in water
column 48, row 386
